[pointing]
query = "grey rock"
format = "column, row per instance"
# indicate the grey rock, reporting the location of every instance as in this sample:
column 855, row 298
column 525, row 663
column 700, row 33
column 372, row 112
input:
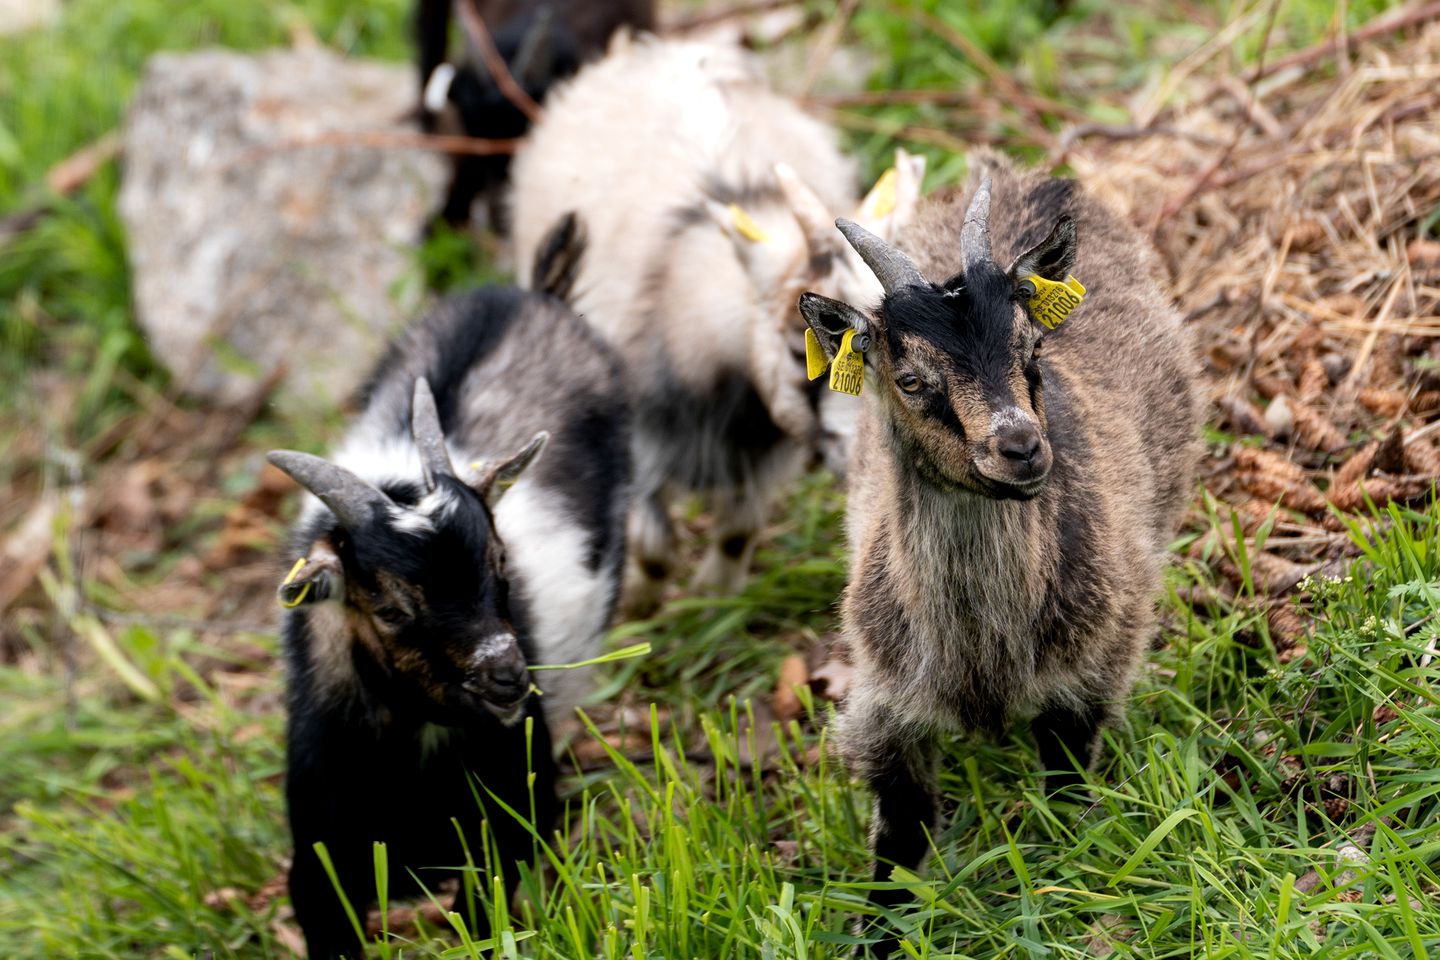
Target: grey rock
column 248, row 247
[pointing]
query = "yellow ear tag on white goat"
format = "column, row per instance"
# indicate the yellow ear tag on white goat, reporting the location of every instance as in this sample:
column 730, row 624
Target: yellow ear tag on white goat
column 745, row 225
column 881, row 198
column 847, row 370
column 1054, row 300
column 815, row 360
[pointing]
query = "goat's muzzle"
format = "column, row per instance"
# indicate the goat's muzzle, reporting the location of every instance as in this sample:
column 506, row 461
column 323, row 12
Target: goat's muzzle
column 499, row 676
column 1016, row 459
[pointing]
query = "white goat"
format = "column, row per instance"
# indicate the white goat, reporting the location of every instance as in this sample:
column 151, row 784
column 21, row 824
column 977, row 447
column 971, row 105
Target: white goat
column 708, row 201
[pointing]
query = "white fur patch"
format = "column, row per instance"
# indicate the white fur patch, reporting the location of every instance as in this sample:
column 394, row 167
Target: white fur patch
column 437, row 88
column 410, row 521
column 487, row 649
column 547, row 553
column 1009, row 417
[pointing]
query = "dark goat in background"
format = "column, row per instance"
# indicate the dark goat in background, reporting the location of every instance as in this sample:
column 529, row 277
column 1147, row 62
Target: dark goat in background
column 540, row 42
column 1010, row 506
column 433, row 575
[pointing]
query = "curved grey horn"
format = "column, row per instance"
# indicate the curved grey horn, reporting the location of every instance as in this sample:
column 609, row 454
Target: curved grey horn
column 891, row 267
column 975, row 233
column 352, row 500
column 429, row 439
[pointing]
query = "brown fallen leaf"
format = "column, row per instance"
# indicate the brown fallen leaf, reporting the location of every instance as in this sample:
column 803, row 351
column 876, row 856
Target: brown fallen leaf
column 1427, row 401
column 1355, row 469
column 1346, row 304
column 1381, row 491
column 26, row 550
column 1272, row 477
column 404, row 920
column 1269, row 387
column 1254, row 514
column 1313, row 382
column 1288, row 628
column 1387, row 365
column 1307, row 235
column 1314, row 429
column 786, row 703
column 1384, row 403
column 1270, row 574
column 1421, row 456
column 1424, row 255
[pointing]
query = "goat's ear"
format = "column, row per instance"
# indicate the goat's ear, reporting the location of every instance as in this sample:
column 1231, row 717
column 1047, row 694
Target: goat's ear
column 558, row 257
column 829, row 319
column 316, row 577
column 497, row 478
column 1053, row 258
column 890, row 205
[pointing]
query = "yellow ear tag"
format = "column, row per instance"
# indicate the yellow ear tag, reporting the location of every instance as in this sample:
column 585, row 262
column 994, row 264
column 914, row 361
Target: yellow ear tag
column 815, row 360
column 881, row 198
column 289, row 578
column 1053, row 300
column 847, row 371
column 745, row 225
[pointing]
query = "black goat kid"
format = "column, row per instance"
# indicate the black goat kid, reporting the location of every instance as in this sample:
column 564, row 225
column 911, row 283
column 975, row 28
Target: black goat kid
column 425, row 593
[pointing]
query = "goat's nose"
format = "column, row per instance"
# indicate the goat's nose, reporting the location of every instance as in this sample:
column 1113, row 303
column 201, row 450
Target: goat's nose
column 1018, row 441
column 499, row 670
column 508, row 678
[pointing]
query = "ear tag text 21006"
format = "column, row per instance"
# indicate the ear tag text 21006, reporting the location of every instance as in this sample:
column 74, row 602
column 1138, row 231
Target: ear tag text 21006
column 1052, row 300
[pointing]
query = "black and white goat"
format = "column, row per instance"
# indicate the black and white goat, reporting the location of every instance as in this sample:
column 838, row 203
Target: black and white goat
column 441, row 559
column 1010, row 505
column 708, row 201
column 540, row 42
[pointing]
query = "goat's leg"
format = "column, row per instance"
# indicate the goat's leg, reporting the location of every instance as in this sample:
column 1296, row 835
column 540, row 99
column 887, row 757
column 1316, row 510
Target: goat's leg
column 1068, row 738
column 897, row 762
column 739, row 513
column 316, row 816
column 726, row 562
column 653, row 553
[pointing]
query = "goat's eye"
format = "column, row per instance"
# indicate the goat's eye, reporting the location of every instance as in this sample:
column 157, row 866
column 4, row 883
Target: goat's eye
column 390, row 615
column 1035, row 353
column 908, row 382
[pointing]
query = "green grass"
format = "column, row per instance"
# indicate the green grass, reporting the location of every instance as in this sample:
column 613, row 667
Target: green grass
column 128, row 818
column 134, row 827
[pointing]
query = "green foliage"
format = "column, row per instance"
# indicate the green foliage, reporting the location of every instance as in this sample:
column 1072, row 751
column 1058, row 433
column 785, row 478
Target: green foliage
column 1206, row 809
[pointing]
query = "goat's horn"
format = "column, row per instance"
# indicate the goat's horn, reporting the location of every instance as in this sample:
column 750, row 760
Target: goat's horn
column 429, row 438
column 353, row 501
column 891, row 267
column 975, row 233
column 808, row 209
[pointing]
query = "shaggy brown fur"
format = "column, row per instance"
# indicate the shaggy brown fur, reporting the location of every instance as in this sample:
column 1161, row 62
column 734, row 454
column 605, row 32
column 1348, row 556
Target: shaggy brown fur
column 1009, row 507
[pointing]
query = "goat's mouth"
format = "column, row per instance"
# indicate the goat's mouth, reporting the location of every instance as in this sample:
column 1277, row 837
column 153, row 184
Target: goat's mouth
column 1010, row 488
column 506, row 707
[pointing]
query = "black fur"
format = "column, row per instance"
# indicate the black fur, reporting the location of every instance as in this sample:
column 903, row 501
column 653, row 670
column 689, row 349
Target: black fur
column 970, row 319
column 361, row 764
column 579, row 32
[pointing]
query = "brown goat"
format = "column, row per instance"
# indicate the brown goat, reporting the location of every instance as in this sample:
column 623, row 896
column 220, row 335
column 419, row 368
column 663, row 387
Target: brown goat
column 1009, row 510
